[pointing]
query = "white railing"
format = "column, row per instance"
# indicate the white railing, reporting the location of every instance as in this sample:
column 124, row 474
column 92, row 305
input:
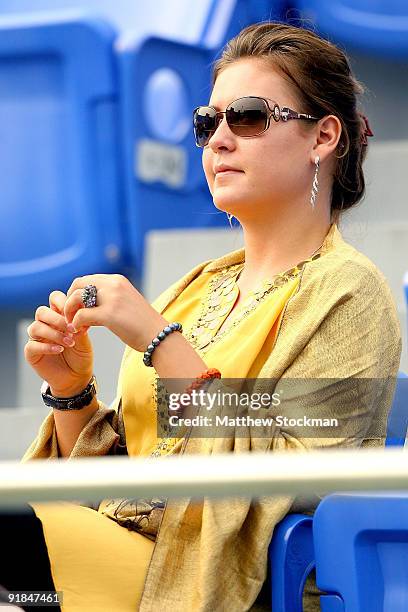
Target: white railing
column 252, row 474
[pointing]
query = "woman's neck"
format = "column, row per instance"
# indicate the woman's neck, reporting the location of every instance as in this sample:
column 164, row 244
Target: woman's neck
column 271, row 248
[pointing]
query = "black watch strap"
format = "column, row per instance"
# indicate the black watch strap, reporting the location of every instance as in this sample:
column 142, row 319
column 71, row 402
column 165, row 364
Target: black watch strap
column 70, row 403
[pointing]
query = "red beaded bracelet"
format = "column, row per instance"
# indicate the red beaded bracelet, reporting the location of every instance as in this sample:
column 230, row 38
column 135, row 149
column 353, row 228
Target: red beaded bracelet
column 200, row 380
column 209, row 374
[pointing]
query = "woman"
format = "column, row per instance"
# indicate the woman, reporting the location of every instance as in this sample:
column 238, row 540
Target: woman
column 283, row 146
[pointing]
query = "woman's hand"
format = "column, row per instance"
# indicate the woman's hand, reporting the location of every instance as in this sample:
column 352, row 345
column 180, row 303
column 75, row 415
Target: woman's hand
column 67, row 366
column 119, row 307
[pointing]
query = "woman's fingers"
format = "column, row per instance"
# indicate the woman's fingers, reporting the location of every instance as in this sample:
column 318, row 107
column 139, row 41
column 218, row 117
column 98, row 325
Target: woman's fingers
column 73, row 304
column 40, row 332
column 48, row 334
column 43, row 314
column 50, row 325
column 57, row 301
column 35, row 350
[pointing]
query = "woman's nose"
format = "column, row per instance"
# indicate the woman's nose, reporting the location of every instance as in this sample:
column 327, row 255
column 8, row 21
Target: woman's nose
column 222, row 138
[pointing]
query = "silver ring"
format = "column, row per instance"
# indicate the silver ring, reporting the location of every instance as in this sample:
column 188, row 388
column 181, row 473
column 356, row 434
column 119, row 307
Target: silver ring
column 89, row 296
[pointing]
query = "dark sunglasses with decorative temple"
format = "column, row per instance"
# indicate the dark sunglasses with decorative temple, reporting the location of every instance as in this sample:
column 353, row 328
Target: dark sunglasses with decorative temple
column 246, row 117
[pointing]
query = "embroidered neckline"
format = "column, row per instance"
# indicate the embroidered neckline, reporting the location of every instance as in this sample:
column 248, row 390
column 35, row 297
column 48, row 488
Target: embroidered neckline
column 222, row 290
column 222, row 284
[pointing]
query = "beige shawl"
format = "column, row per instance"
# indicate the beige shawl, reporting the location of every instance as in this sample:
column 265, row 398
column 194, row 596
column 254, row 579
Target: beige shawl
column 211, row 555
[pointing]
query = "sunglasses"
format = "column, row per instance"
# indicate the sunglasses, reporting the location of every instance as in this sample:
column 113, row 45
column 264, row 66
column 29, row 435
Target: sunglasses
column 246, row 117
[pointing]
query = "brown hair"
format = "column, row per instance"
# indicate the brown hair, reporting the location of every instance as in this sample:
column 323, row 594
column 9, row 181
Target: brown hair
column 324, row 84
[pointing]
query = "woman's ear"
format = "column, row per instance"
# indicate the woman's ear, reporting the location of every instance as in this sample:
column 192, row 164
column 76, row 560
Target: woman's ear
column 328, row 132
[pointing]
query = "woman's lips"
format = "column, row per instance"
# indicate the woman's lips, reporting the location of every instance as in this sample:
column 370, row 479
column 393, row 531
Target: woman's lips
column 226, row 172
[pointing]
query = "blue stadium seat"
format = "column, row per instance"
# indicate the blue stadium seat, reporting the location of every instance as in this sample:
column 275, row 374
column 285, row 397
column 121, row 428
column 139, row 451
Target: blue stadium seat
column 206, row 21
column 291, row 552
column 361, row 546
column 291, row 559
column 379, row 27
column 97, row 144
column 60, row 192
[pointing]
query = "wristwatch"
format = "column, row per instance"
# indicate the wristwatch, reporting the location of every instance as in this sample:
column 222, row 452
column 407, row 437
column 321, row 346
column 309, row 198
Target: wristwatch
column 70, row 403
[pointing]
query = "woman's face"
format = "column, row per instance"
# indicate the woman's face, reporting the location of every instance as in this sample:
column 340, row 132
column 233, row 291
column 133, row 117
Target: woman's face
column 273, row 170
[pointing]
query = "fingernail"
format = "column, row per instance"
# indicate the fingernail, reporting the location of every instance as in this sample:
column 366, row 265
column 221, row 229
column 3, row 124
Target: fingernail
column 71, row 328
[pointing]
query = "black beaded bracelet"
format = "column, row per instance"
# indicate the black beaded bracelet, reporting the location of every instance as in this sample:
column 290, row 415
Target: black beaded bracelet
column 147, row 355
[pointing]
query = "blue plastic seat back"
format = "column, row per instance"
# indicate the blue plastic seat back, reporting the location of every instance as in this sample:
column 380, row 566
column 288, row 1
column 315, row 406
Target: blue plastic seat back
column 82, row 183
column 59, row 193
column 205, row 22
column 291, row 552
column 291, row 559
column 376, row 26
column 361, row 547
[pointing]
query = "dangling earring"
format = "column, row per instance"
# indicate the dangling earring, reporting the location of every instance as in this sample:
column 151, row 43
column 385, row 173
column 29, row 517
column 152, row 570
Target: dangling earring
column 229, row 219
column 315, row 186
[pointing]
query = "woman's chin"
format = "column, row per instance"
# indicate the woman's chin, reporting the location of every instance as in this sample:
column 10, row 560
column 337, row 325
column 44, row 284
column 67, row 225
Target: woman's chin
column 227, row 203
